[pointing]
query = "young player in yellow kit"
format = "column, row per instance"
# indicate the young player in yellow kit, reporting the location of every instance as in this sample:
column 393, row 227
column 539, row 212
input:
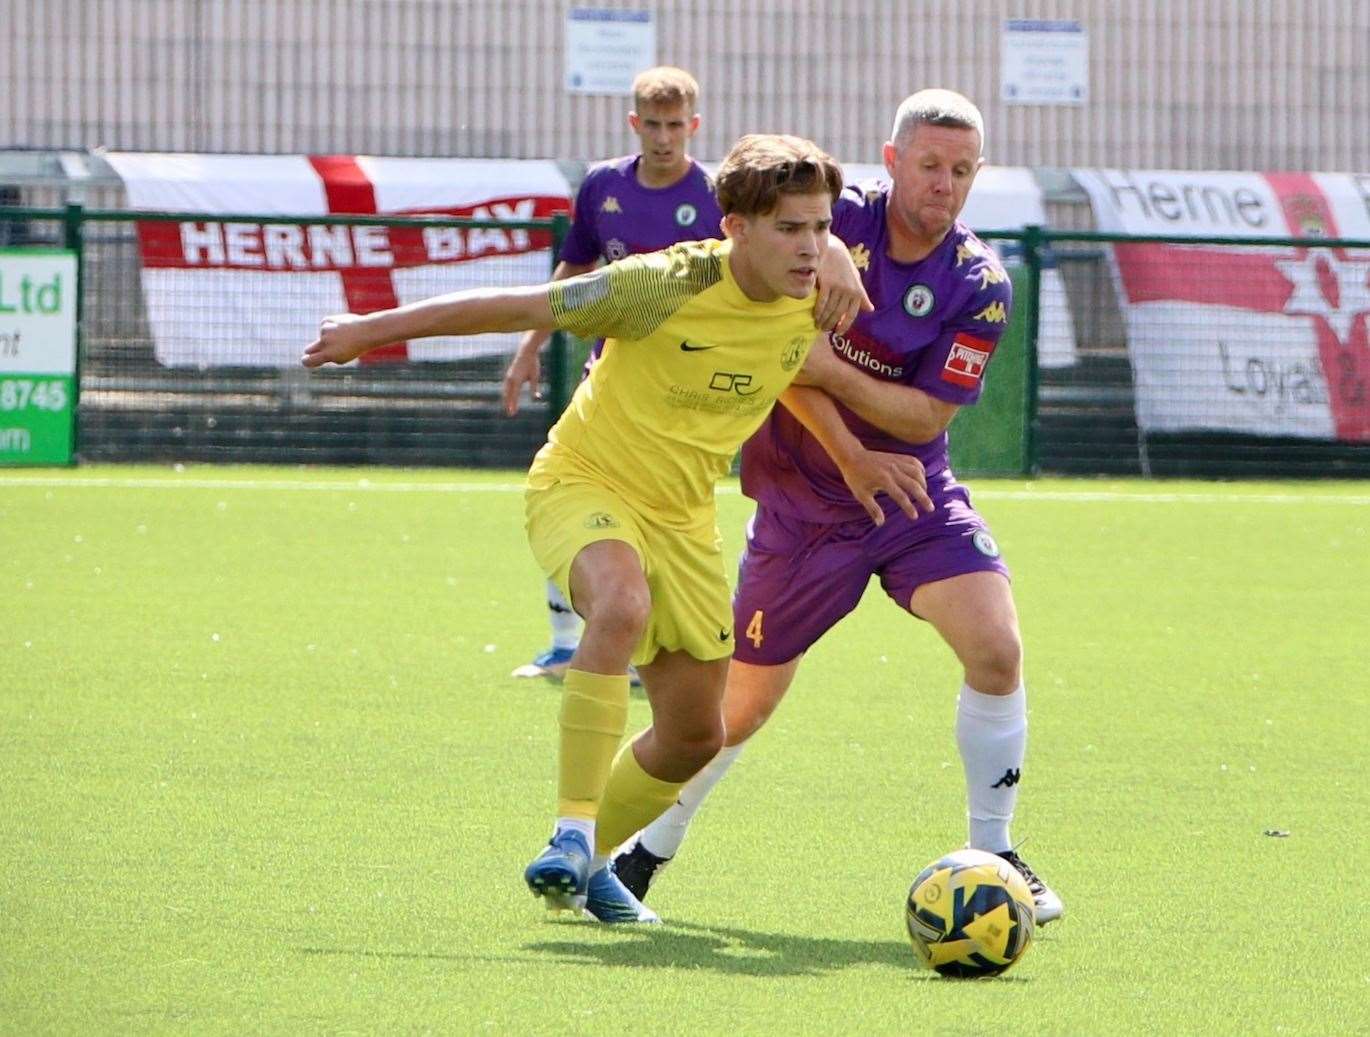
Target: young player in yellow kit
column 703, row 338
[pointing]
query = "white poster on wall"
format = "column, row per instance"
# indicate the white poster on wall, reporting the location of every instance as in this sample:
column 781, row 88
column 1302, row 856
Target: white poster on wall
column 1043, row 62
column 1265, row 340
column 605, row 50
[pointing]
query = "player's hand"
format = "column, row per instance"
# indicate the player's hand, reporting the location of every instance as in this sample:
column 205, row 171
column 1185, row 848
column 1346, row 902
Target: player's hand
column 841, row 295
column 819, row 365
column 523, row 370
column 900, row 477
column 342, row 338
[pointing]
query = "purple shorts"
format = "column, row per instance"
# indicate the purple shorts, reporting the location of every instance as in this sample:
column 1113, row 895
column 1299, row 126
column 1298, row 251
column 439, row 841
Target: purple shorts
column 796, row 579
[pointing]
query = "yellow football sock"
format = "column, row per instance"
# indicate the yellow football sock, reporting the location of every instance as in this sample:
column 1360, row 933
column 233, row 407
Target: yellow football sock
column 594, row 713
column 632, row 800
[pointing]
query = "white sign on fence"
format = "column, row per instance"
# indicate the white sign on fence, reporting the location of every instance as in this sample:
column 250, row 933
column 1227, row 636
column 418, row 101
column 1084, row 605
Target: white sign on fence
column 605, row 50
column 1044, row 62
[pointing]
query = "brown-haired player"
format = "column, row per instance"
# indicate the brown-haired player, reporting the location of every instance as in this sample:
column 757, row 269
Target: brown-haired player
column 625, row 206
column 703, row 339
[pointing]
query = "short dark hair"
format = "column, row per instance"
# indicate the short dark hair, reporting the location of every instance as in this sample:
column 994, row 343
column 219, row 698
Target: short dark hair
column 763, row 166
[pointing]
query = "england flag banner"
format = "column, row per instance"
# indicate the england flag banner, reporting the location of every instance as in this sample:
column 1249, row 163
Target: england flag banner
column 251, row 293
column 1262, row 340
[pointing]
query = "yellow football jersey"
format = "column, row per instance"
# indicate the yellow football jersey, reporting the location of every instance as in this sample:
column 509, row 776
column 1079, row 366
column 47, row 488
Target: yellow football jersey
column 690, row 369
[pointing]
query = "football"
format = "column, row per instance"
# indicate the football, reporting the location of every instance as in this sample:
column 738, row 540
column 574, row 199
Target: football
column 969, row 914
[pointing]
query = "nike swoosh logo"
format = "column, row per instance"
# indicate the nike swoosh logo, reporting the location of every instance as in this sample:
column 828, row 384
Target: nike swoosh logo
column 687, row 348
column 723, row 635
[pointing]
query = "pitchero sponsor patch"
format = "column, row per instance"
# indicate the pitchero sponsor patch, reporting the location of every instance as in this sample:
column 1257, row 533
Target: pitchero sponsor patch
column 966, row 362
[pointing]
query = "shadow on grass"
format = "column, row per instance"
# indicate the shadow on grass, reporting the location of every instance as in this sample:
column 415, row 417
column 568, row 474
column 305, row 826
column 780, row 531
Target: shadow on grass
column 734, row 952
column 730, row 951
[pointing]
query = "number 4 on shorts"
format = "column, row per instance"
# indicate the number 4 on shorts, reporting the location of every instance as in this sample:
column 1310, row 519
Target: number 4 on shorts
column 754, row 629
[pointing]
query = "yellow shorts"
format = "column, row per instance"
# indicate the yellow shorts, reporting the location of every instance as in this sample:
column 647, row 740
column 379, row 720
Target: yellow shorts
column 691, row 605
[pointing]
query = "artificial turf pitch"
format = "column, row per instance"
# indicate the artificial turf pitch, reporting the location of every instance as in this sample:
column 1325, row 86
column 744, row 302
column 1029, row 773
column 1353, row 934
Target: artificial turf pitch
column 262, row 769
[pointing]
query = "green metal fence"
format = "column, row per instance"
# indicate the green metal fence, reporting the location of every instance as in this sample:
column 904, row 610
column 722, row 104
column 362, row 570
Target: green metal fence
column 1123, row 355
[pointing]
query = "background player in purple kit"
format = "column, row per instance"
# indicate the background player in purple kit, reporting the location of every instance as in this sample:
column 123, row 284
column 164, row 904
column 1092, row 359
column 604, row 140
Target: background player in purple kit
column 898, row 375
column 625, row 206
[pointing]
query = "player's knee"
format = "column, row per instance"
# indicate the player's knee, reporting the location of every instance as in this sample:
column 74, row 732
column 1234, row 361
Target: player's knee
column 622, row 612
column 699, row 743
column 997, row 663
column 743, row 721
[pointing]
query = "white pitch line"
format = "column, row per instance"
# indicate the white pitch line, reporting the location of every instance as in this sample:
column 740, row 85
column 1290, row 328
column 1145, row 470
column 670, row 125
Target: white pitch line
column 369, row 486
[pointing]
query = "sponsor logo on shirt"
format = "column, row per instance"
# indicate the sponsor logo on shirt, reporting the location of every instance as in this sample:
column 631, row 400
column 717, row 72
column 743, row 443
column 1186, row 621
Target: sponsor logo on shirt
column 864, row 358
column 728, row 381
column 919, row 300
column 966, row 362
column 686, row 214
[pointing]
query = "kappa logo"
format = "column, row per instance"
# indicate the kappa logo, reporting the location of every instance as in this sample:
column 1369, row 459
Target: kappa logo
column 601, row 520
column 686, row 214
column 994, row 313
column 919, row 300
column 611, row 205
column 1011, row 777
column 966, row 362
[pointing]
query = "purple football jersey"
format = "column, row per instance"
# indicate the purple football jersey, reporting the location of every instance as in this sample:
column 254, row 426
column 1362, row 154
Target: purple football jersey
column 616, row 216
column 935, row 325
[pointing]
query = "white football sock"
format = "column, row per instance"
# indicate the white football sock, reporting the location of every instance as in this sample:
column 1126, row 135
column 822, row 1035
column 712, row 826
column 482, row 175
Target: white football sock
column 578, row 824
column 991, row 731
column 664, row 835
column 566, row 625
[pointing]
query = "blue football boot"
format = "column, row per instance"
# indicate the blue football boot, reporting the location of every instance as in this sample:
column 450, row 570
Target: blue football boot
column 551, row 663
column 559, row 873
column 608, row 899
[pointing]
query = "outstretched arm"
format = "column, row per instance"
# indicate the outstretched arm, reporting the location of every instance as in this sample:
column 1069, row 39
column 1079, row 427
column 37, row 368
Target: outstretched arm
column 524, row 368
column 900, row 410
column 344, row 337
column 866, row 472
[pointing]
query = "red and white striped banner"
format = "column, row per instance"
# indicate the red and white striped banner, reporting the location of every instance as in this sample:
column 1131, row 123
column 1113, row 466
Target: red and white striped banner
column 233, row 293
column 1267, row 341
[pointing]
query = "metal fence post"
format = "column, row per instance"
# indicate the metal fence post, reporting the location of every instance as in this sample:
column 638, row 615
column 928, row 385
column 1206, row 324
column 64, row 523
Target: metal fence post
column 559, row 356
column 1034, row 238
column 73, row 238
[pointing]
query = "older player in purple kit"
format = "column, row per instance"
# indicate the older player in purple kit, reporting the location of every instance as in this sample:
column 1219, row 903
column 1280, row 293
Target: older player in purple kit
column 625, row 206
column 898, row 375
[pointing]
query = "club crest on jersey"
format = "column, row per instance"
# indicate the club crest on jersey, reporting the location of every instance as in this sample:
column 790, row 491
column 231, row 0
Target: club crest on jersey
column 919, row 300
column 615, row 249
column 686, row 214
column 984, row 543
column 794, row 352
column 966, row 362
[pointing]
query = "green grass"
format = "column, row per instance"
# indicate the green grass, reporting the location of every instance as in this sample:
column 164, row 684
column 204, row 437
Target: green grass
column 262, row 771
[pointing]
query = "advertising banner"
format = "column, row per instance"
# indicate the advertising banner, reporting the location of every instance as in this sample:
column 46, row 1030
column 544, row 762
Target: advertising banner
column 251, row 293
column 1260, row 340
column 37, row 355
